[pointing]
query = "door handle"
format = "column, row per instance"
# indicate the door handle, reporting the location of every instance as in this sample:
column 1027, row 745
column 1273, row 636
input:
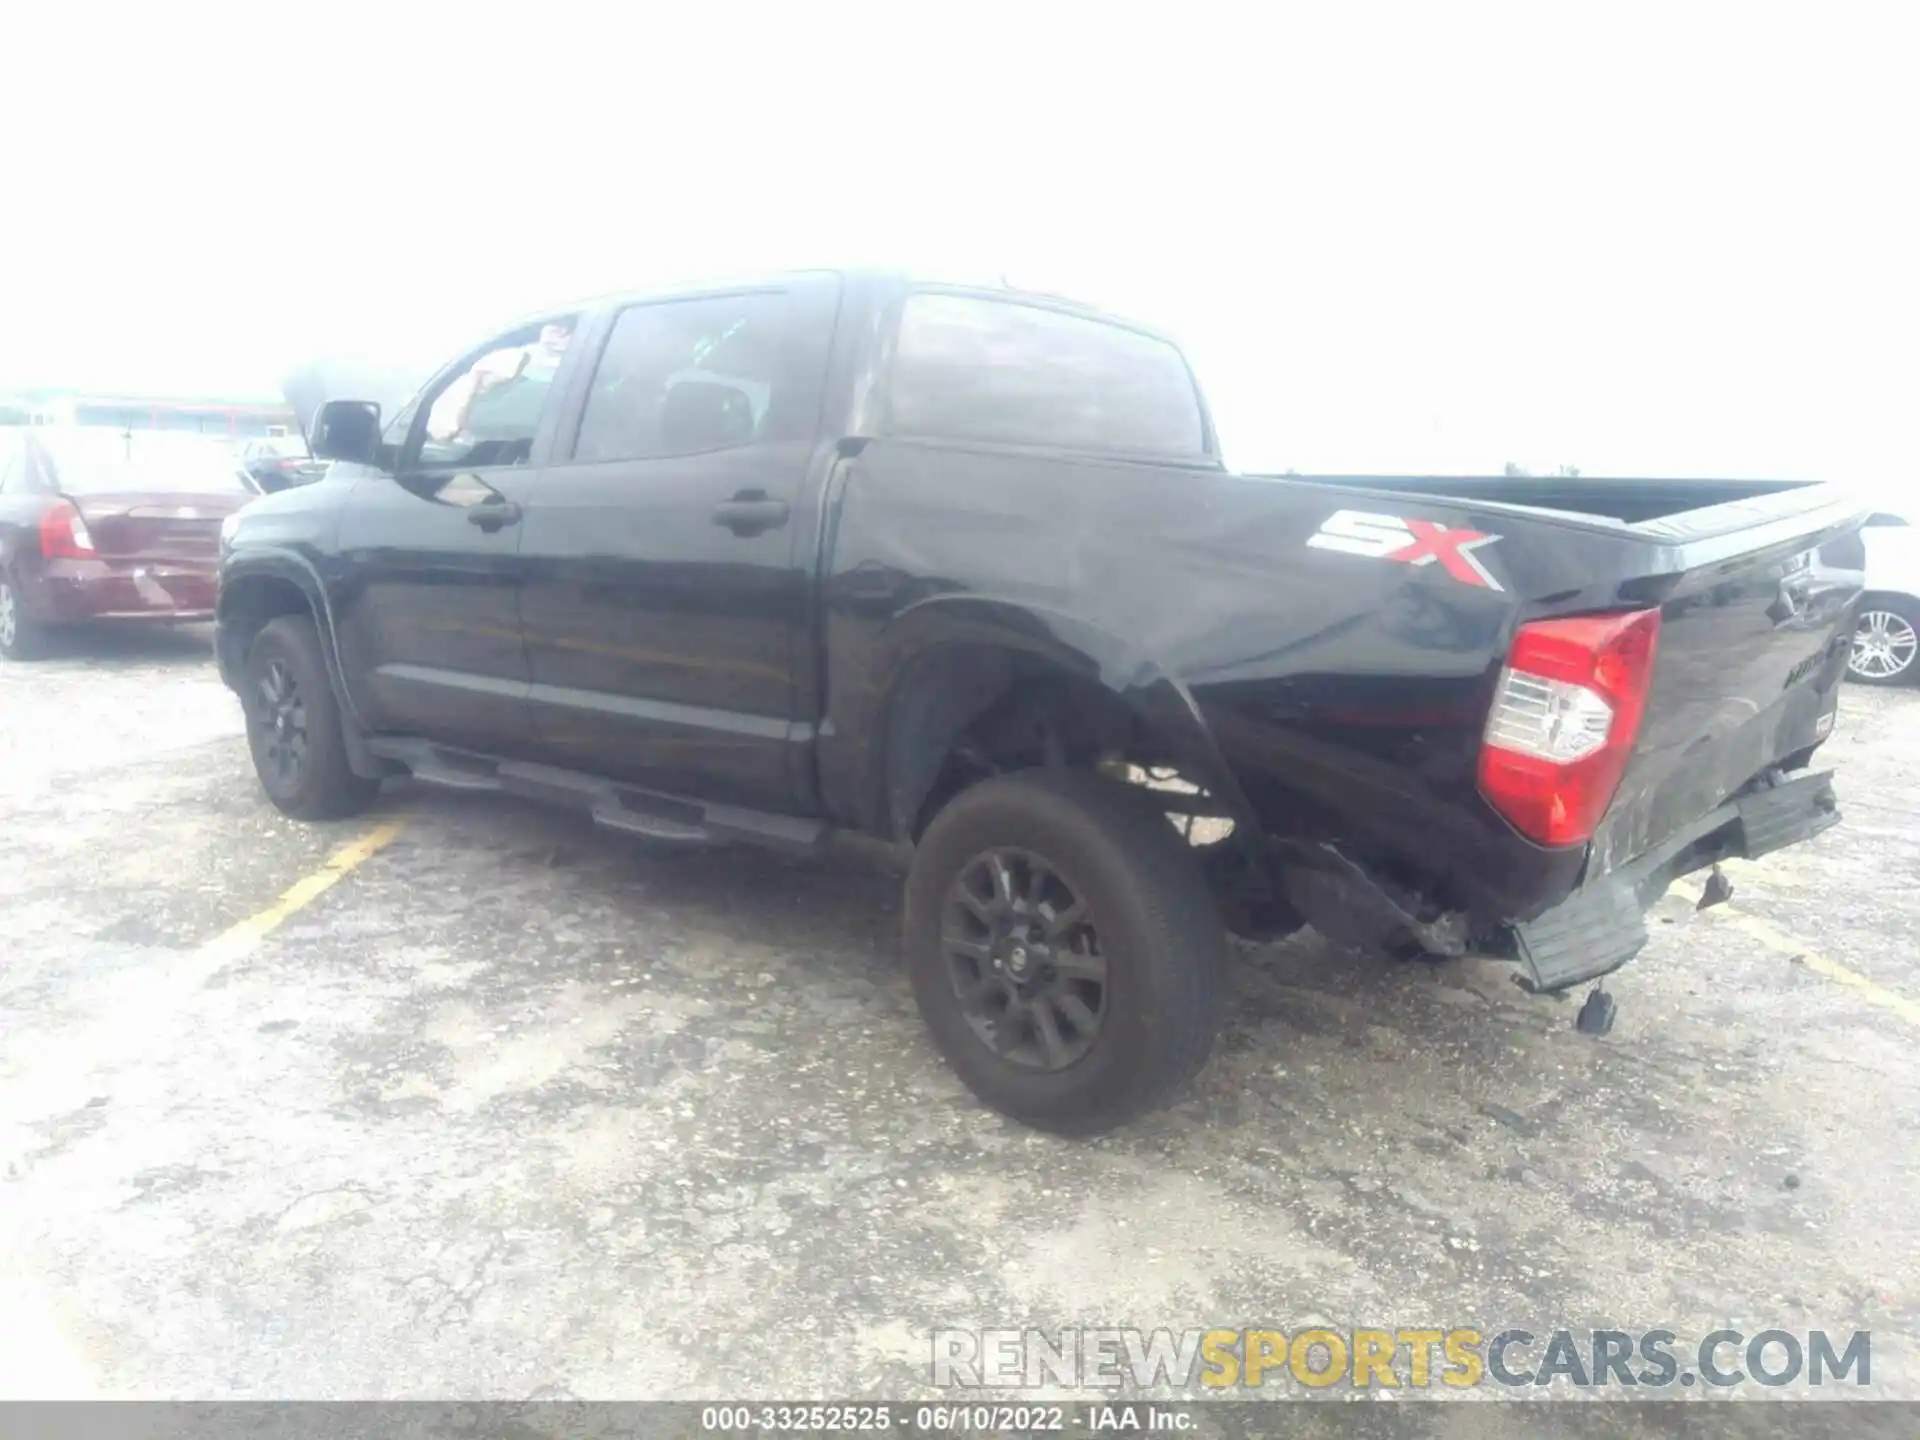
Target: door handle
column 494, row 515
column 750, row 512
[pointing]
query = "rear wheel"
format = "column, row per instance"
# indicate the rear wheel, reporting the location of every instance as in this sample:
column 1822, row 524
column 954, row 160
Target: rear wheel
column 1064, row 949
column 1886, row 642
column 294, row 726
column 20, row 637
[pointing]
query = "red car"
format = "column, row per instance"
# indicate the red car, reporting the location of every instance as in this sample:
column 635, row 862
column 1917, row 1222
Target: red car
column 109, row 525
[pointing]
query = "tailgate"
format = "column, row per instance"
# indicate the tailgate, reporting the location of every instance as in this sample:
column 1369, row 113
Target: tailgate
column 1757, row 600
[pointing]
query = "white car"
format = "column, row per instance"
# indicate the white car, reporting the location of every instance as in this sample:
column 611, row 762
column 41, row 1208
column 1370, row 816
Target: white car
column 1887, row 642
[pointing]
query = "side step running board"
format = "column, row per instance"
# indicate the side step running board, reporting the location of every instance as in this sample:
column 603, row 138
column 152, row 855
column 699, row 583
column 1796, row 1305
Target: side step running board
column 627, row 808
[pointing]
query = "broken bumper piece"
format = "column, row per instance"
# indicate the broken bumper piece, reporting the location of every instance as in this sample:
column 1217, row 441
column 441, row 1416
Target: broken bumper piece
column 1602, row 925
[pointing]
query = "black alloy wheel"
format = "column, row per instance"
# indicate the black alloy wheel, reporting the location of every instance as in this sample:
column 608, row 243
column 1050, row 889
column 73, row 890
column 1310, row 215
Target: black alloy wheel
column 295, row 727
column 1024, row 960
column 280, row 713
column 1064, row 948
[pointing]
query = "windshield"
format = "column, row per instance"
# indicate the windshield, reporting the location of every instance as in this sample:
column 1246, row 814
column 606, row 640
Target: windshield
column 105, row 462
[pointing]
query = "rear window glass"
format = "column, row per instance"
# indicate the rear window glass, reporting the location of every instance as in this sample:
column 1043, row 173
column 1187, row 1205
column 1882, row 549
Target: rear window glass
column 978, row 369
column 106, row 462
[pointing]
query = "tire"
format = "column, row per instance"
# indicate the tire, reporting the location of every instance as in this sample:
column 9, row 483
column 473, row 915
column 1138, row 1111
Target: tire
column 294, row 726
column 1151, row 928
column 21, row 638
column 1886, row 642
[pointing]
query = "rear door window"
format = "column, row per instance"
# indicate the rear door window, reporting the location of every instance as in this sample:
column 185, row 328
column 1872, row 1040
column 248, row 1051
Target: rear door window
column 971, row 368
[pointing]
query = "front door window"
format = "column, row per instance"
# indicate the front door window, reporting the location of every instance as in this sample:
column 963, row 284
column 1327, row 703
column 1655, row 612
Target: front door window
column 489, row 413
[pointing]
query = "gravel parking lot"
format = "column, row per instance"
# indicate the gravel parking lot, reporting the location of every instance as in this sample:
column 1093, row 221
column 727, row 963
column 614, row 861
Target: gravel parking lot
column 512, row 1107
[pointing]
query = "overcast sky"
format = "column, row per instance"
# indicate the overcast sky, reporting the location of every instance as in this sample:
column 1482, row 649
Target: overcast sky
column 1664, row 239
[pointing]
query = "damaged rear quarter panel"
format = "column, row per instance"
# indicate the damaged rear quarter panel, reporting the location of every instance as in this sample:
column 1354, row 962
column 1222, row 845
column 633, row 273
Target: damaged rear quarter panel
column 1323, row 693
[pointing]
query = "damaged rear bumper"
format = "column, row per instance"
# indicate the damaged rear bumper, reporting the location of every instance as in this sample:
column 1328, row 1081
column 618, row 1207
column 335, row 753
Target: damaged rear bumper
column 1602, row 925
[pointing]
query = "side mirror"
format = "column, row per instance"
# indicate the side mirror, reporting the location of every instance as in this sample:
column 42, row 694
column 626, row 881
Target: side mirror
column 347, row 430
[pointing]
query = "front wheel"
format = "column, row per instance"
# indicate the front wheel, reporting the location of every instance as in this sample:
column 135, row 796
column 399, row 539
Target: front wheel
column 1886, row 642
column 294, row 726
column 1064, row 949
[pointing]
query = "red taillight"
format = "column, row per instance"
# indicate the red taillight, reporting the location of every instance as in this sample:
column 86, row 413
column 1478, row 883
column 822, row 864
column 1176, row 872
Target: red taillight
column 1565, row 715
column 63, row 534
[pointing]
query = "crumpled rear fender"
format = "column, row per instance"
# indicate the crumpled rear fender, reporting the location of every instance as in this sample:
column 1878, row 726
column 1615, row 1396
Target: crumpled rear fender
column 918, row 685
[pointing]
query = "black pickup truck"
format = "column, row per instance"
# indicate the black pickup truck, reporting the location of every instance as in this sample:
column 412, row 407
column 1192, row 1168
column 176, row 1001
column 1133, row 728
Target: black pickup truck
column 961, row 568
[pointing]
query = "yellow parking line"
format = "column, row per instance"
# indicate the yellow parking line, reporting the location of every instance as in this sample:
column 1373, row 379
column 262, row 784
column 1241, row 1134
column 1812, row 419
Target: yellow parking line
column 241, row 937
column 1757, row 929
column 40, row 1358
